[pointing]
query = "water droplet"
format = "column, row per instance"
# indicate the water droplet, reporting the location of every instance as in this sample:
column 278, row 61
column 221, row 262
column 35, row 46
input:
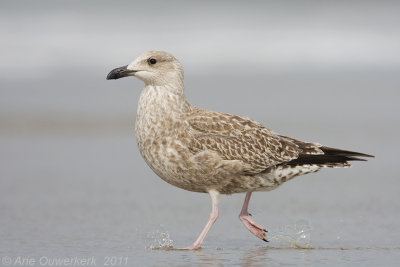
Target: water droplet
column 298, row 235
column 160, row 239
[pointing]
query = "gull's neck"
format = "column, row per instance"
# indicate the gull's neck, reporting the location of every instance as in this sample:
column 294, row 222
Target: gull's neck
column 160, row 109
column 162, row 103
column 167, row 98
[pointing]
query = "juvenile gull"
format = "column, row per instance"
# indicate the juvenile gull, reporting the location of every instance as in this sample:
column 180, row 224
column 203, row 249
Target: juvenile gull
column 211, row 152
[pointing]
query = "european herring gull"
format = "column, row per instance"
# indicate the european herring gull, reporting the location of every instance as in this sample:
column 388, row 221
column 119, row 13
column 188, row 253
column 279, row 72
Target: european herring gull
column 212, row 152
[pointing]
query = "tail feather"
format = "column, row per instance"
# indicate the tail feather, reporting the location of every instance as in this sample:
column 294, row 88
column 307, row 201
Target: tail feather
column 332, row 157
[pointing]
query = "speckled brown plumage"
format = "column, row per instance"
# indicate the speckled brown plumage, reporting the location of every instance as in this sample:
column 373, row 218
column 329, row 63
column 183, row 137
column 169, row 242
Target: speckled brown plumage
column 207, row 151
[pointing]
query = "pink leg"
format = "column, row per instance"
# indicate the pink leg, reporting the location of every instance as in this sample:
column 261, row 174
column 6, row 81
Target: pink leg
column 255, row 228
column 213, row 217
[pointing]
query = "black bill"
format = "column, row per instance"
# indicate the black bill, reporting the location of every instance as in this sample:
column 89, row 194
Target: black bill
column 120, row 73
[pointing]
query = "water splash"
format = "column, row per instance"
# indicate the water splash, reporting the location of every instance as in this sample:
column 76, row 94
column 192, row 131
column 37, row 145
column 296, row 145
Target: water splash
column 297, row 236
column 160, row 239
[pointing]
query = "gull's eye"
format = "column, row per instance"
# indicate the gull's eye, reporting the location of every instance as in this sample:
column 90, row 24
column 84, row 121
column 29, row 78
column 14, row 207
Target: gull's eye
column 152, row 61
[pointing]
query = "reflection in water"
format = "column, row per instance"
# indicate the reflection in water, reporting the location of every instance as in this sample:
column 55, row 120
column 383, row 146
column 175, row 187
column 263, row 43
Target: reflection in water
column 288, row 238
column 254, row 257
column 210, row 258
column 297, row 236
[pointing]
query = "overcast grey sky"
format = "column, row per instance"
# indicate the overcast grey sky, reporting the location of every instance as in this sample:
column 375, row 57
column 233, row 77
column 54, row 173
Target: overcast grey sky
column 256, row 36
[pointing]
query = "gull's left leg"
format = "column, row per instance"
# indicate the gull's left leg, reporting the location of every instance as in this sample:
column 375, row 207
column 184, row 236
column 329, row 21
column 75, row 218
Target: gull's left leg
column 213, row 217
column 255, row 228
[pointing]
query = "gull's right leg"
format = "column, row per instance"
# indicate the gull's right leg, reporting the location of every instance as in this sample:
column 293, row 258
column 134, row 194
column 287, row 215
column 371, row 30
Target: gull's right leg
column 213, row 217
column 254, row 227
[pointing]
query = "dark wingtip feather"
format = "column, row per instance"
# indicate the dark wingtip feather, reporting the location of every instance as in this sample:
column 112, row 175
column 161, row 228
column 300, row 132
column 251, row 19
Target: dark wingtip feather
column 331, row 156
column 340, row 152
column 355, row 158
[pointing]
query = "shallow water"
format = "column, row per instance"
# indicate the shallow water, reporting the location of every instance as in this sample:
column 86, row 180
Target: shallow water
column 77, row 196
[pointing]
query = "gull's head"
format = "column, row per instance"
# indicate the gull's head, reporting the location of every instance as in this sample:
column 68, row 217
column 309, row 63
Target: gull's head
column 153, row 68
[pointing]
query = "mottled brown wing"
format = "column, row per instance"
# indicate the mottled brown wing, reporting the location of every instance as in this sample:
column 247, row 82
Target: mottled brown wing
column 239, row 138
column 307, row 148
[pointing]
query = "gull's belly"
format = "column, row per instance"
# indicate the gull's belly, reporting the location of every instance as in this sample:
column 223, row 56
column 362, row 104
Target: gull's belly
column 175, row 164
column 172, row 161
